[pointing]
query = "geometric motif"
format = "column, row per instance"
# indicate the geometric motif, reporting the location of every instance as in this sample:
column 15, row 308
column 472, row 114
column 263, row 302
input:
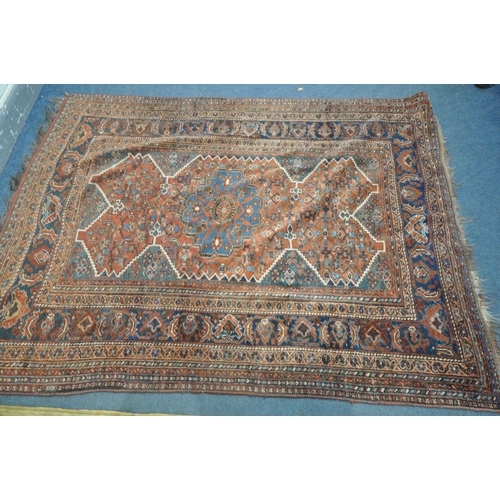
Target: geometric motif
column 221, row 213
column 130, row 221
column 294, row 248
column 210, row 207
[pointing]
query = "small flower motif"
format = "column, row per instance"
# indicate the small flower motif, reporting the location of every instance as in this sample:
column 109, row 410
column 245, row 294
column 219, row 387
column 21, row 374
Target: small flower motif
column 155, row 229
column 290, row 235
column 295, row 193
column 117, row 206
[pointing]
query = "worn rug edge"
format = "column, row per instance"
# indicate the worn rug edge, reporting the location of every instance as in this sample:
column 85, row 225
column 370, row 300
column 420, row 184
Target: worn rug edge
column 15, row 180
column 490, row 322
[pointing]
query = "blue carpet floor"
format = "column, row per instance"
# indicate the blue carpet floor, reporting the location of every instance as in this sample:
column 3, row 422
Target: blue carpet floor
column 470, row 120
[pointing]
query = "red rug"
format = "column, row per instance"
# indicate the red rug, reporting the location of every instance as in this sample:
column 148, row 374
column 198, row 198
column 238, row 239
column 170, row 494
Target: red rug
column 270, row 247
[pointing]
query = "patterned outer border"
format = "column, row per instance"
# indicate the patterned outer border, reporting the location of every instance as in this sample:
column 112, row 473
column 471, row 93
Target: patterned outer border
column 57, row 367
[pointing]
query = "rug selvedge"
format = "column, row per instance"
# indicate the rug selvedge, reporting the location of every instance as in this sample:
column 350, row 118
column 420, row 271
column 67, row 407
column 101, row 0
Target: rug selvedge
column 279, row 247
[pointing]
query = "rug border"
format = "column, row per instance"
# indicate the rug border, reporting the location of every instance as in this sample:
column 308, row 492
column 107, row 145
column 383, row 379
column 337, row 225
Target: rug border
column 490, row 322
column 16, row 180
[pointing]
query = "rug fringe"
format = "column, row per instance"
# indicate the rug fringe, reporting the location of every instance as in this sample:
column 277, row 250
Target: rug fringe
column 15, row 180
column 491, row 322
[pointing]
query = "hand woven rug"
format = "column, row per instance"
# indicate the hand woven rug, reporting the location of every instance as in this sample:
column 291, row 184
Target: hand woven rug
column 303, row 248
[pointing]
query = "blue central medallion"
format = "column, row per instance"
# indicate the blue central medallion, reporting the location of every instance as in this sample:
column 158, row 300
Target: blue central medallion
column 221, row 213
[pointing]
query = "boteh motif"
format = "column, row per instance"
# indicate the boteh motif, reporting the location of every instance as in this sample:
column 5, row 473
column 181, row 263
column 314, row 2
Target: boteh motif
column 254, row 247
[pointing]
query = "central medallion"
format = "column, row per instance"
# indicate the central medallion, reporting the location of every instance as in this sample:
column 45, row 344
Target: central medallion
column 221, row 213
column 223, row 210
